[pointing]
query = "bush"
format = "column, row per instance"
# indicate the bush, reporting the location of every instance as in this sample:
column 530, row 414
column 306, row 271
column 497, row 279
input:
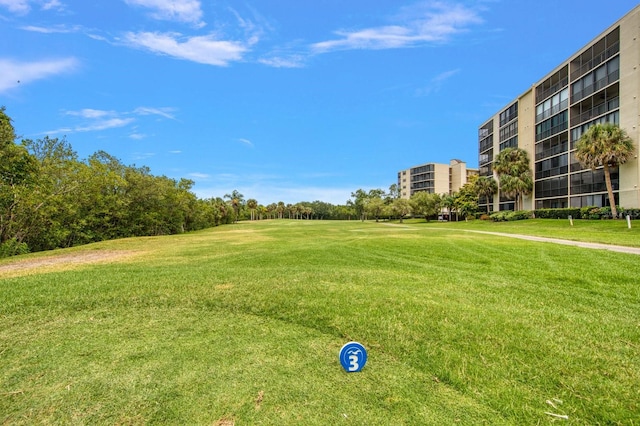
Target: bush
column 633, row 213
column 558, row 213
column 505, row 216
column 13, row 248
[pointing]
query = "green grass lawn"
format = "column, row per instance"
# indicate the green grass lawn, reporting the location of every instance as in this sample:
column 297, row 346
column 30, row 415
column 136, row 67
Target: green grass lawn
column 242, row 324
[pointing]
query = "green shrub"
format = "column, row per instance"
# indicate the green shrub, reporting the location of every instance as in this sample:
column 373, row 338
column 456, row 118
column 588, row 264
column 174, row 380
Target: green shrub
column 558, row 213
column 634, row 214
column 509, row 216
column 13, row 248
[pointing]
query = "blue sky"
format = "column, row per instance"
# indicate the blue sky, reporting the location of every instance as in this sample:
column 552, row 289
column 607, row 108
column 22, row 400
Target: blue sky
column 283, row 100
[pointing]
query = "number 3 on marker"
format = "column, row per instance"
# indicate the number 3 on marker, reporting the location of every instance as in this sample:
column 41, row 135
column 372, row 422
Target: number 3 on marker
column 353, row 365
column 353, row 356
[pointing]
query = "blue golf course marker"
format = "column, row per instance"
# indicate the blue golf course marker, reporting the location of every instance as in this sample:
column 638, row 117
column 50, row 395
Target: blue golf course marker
column 353, row 356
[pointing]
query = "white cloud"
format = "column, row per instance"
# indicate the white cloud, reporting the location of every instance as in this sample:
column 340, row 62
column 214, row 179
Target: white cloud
column 110, row 123
column 52, row 4
column 293, row 61
column 187, row 11
column 163, row 112
column 137, row 136
column 246, row 142
column 202, row 49
column 98, row 120
column 57, row 29
column 23, row 7
column 202, row 176
column 16, row 6
column 426, row 22
column 91, row 113
column 14, row 73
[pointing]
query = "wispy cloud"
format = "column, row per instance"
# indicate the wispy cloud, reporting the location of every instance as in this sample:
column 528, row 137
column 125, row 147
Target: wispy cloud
column 201, row 176
column 163, row 112
column 93, row 120
column 16, row 73
column 137, row 136
column 202, row 49
column 246, row 142
column 436, row 83
column 426, row 22
column 56, row 29
column 16, row 6
column 23, row 7
column 91, row 113
column 187, row 11
column 292, row 61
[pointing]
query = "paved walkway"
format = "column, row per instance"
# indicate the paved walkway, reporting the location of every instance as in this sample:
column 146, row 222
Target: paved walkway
column 620, row 249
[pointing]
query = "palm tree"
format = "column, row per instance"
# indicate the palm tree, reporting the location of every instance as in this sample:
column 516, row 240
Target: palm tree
column 607, row 146
column 512, row 167
column 237, row 200
column 486, row 186
column 252, row 204
column 449, row 203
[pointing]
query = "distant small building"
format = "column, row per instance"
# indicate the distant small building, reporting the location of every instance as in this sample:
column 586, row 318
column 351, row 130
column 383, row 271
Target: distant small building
column 434, row 178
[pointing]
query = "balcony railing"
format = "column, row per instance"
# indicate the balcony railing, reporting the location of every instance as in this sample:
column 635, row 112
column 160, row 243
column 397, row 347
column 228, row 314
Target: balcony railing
column 597, row 60
column 596, row 111
column 551, row 90
column 603, row 82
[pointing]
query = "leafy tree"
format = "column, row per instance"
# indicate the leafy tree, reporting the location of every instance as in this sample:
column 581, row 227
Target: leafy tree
column 375, row 207
column 607, row 146
column 466, row 200
column 425, row 204
column 485, row 187
column 394, row 193
column 358, row 203
column 400, row 207
column 512, row 167
column 18, row 173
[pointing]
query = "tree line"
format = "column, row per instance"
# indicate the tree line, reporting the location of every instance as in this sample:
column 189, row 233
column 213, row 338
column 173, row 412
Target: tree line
column 50, row 198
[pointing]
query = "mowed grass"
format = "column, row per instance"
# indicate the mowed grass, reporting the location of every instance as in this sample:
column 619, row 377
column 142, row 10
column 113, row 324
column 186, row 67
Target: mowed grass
column 242, row 324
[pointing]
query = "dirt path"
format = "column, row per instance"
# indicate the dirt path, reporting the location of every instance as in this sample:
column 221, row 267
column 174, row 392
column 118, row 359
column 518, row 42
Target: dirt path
column 63, row 261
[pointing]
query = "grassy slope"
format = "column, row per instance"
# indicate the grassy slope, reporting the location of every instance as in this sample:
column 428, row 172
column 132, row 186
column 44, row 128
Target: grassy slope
column 244, row 323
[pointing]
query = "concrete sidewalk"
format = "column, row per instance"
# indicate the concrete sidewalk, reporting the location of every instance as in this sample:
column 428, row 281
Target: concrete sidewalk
column 619, row 249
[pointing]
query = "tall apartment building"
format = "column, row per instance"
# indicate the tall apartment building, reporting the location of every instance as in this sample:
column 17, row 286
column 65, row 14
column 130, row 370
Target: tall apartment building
column 600, row 83
column 434, row 178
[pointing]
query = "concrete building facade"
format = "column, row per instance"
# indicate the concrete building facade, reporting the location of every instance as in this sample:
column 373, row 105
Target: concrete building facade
column 599, row 83
column 434, row 178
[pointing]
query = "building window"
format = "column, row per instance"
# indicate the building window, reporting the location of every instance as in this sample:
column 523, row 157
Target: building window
column 553, row 105
column 576, row 133
column 509, row 114
column 553, row 187
column 553, row 146
column 553, row 166
column 511, row 143
column 552, row 126
column 593, row 181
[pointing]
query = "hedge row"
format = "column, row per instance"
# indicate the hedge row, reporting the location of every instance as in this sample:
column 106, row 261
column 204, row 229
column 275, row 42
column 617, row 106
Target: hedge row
column 592, row 213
